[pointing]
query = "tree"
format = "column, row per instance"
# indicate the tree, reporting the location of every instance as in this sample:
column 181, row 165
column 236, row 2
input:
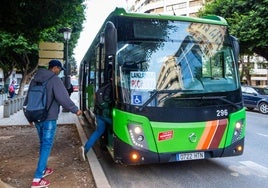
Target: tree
column 35, row 21
column 5, row 54
column 16, row 52
column 248, row 21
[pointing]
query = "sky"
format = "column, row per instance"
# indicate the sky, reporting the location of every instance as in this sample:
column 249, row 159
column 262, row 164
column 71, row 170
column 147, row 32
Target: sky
column 96, row 13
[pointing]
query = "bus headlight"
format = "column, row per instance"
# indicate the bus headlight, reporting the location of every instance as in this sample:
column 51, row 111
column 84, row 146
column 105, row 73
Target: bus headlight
column 238, row 125
column 136, row 134
column 237, row 131
column 137, row 130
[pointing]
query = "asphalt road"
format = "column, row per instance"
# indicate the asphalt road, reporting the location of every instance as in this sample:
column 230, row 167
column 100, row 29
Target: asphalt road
column 249, row 170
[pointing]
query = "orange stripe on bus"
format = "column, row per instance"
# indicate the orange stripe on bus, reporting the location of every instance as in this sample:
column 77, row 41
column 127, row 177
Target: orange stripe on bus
column 208, row 134
column 212, row 131
column 204, row 136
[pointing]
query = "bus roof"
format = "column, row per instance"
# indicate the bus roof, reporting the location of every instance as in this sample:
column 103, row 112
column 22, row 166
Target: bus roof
column 210, row 19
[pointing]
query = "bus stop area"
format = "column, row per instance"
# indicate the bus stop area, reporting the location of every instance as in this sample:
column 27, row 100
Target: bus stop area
column 86, row 174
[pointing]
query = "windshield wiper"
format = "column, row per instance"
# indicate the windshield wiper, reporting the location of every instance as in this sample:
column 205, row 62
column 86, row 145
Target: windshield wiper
column 156, row 92
column 164, row 91
column 222, row 98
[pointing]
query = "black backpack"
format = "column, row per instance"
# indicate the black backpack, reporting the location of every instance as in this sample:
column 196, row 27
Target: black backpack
column 103, row 96
column 36, row 108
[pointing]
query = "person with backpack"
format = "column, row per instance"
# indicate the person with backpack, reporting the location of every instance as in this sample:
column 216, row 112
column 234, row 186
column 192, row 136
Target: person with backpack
column 103, row 114
column 56, row 95
column 11, row 89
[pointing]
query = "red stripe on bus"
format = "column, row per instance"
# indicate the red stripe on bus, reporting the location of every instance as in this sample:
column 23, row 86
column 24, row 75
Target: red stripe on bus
column 219, row 133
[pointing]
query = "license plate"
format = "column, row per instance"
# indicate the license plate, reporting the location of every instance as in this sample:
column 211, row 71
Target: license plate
column 190, row 156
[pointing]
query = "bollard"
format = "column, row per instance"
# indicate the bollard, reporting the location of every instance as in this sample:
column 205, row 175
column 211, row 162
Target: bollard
column 6, row 108
column 11, row 106
column 16, row 105
column 19, row 101
column 1, row 99
column 22, row 101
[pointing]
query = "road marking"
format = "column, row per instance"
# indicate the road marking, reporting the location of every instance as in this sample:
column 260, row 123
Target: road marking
column 249, row 168
column 265, row 135
column 256, row 168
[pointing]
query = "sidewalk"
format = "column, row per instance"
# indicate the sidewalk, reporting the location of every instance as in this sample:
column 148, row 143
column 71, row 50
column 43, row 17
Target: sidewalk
column 18, row 118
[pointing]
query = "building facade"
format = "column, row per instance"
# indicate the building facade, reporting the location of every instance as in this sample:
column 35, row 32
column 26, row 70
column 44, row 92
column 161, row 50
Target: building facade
column 258, row 70
column 175, row 7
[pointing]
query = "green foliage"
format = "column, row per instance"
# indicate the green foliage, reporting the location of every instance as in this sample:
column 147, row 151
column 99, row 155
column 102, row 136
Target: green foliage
column 248, row 21
column 15, row 43
column 24, row 23
column 13, row 47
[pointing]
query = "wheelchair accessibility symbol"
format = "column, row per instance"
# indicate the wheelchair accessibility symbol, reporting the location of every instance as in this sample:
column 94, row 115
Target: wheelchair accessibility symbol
column 137, row 99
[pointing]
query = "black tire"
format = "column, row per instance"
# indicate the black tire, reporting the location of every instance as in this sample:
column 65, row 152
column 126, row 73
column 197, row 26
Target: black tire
column 263, row 107
column 103, row 142
column 250, row 108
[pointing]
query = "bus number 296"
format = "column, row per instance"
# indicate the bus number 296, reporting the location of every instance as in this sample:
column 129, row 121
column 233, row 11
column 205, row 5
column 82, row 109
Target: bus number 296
column 223, row 112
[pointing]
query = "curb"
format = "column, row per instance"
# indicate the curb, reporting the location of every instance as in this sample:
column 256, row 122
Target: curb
column 4, row 185
column 96, row 169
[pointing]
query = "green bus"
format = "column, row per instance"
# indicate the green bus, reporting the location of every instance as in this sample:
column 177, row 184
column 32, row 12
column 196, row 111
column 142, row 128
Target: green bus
column 176, row 87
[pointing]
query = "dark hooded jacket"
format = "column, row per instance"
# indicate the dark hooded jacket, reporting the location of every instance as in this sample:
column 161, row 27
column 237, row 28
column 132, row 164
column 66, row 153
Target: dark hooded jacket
column 56, row 93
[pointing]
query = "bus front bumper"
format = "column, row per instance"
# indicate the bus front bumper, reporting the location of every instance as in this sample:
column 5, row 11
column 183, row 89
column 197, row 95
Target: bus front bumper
column 130, row 155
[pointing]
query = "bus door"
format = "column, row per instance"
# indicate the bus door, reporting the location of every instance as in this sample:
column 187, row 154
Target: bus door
column 110, row 47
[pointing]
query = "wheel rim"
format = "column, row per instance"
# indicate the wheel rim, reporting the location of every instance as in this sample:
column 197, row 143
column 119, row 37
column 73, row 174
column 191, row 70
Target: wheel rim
column 263, row 108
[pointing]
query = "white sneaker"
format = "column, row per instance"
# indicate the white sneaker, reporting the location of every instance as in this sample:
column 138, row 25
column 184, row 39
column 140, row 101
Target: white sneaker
column 82, row 153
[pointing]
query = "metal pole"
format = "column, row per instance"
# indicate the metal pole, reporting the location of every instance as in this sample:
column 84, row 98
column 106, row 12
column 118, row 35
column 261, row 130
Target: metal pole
column 67, row 35
column 67, row 83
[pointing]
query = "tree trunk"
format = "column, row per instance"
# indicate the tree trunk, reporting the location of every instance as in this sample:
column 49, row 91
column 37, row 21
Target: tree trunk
column 26, row 75
column 247, row 71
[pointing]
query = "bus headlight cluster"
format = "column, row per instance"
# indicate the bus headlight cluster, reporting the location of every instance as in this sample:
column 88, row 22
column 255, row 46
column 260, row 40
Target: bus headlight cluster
column 237, row 131
column 137, row 135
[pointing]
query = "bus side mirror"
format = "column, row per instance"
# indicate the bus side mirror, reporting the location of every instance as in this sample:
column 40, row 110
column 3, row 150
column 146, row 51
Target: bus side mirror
column 110, row 47
column 235, row 46
column 110, row 39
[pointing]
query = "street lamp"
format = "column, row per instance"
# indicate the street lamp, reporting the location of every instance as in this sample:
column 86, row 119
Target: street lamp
column 67, row 35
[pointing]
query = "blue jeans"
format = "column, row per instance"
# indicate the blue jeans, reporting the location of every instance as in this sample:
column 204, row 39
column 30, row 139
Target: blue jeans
column 11, row 94
column 101, row 126
column 46, row 132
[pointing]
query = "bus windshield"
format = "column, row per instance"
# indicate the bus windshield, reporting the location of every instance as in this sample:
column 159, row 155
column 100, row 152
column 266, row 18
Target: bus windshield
column 181, row 58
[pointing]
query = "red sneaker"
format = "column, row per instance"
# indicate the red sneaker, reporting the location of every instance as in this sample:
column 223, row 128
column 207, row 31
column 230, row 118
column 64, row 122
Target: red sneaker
column 48, row 171
column 40, row 184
